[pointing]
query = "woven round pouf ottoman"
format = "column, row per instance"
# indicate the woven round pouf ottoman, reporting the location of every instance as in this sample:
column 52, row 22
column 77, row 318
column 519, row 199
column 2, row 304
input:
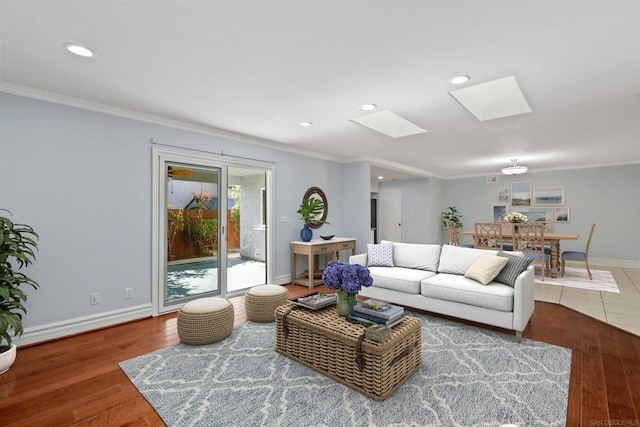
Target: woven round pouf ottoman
column 205, row 321
column 261, row 302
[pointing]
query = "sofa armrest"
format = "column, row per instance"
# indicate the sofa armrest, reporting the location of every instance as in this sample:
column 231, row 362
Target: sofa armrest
column 524, row 299
column 358, row 259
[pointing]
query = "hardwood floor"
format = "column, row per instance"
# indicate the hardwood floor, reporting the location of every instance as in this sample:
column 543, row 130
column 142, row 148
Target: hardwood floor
column 76, row 381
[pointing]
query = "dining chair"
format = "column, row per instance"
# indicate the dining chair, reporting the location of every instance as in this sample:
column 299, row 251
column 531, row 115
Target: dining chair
column 578, row 256
column 488, row 235
column 453, row 235
column 528, row 238
column 506, row 235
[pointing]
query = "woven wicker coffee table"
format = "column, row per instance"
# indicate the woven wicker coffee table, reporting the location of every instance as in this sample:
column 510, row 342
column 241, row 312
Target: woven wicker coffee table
column 334, row 347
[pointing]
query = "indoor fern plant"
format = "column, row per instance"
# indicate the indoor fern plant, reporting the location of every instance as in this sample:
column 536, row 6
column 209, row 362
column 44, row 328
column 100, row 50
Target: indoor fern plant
column 18, row 243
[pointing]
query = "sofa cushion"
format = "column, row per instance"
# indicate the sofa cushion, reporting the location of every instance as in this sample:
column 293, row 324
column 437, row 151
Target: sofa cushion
column 457, row 260
column 452, row 287
column 399, row 279
column 380, row 255
column 485, row 268
column 415, row 255
column 516, row 264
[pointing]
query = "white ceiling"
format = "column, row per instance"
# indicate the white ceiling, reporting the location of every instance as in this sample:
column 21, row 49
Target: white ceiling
column 259, row 68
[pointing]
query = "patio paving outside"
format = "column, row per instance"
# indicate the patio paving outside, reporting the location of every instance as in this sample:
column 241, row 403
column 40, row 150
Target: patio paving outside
column 194, row 279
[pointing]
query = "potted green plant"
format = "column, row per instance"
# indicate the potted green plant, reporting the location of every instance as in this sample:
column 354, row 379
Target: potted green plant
column 310, row 209
column 18, row 243
column 452, row 214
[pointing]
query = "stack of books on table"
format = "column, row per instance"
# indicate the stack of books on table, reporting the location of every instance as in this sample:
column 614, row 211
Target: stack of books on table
column 374, row 312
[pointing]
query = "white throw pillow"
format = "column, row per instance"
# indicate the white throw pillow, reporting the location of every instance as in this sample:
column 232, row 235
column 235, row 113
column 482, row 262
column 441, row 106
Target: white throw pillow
column 486, row 268
column 380, row 255
column 457, row 260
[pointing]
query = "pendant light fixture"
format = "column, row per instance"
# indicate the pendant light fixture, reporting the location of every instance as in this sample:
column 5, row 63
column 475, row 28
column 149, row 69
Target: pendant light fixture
column 514, row 168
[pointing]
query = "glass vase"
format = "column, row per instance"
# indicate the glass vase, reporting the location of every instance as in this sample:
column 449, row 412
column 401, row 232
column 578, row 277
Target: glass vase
column 345, row 302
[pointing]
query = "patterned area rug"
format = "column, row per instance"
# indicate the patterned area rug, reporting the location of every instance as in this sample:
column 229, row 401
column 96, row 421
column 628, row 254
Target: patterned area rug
column 469, row 377
column 578, row 278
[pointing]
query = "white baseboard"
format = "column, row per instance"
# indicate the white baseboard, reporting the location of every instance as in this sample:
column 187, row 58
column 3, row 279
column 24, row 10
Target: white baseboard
column 82, row 324
column 283, row 280
column 607, row 262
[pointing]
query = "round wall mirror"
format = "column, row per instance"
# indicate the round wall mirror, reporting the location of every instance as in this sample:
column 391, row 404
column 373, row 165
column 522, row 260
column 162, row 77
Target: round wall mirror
column 317, row 193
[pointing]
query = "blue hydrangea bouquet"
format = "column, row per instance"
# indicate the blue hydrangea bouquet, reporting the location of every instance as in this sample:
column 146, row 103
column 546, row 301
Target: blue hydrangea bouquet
column 347, row 279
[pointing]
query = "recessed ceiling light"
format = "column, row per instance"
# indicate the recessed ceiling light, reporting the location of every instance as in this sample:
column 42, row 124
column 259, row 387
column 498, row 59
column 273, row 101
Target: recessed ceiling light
column 381, row 177
column 368, row 107
column 305, row 124
column 459, row 80
column 76, row 49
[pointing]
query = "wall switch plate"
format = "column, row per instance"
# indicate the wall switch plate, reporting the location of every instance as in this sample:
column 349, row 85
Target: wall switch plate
column 94, row 298
column 128, row 293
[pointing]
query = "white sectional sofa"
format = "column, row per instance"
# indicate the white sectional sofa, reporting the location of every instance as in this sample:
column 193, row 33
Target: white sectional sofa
column 432, row 278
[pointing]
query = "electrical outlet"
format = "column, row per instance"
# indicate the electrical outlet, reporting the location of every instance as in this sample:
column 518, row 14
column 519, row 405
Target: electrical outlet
column 94, row 298
column 128, row 293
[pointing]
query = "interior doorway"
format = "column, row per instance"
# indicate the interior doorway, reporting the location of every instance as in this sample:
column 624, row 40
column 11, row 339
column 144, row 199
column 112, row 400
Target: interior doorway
column 390, row 210
column 247, row 225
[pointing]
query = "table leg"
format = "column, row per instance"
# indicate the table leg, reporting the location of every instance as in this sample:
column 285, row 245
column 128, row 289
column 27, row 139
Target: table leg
column 555, row 256
column 312, row 269
column 293, row 266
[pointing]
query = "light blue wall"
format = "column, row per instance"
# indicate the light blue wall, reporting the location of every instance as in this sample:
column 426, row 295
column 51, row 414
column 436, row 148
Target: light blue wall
column 83, row 180
column 608, row 196
column 356, row 203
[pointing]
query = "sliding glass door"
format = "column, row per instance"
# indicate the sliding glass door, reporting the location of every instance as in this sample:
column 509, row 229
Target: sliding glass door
column 192, row 231
column 211, row 219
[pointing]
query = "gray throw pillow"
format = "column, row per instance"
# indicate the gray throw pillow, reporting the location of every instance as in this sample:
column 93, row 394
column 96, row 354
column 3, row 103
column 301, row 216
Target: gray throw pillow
column 380, row 255
column 515, row 265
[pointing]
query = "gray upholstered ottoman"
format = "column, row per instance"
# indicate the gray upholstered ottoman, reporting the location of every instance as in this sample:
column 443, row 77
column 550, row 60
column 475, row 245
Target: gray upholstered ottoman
column 261, row 302
column 205, row 321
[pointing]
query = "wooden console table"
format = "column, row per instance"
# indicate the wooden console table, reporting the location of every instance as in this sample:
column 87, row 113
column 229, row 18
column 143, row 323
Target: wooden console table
column 314, row 248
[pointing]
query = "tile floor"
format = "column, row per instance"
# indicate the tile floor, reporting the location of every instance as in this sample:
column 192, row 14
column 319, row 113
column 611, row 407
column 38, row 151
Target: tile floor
column 621, row 310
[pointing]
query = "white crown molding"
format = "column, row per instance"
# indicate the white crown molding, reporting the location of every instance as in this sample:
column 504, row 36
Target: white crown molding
column 536, row 170
column 375, row 161
column 55, row 98
column 83, row 104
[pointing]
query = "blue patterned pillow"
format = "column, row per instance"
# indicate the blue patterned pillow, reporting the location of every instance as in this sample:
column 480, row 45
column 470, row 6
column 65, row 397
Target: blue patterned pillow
column 380, row 255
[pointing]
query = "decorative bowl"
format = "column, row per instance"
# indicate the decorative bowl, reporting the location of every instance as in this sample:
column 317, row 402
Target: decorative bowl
column 327, row 237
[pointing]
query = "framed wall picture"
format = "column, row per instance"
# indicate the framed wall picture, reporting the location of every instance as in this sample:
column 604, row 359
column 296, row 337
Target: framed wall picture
column 498, row 211
column 503, row 194
column 521, row 193
column 548, row 196
column 562, row 214
column 535, row 214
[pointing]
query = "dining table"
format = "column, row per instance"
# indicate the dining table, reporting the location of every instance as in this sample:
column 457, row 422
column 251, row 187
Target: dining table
column 553, row 239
